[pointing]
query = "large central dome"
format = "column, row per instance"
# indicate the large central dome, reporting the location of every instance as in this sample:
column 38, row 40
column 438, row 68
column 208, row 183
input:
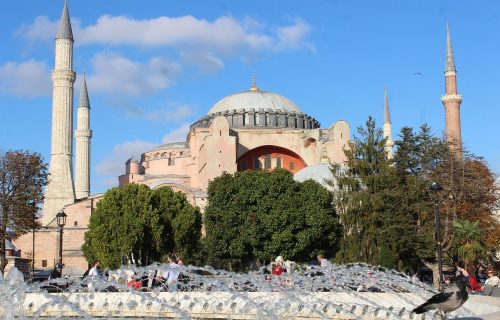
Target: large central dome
column 255, row 99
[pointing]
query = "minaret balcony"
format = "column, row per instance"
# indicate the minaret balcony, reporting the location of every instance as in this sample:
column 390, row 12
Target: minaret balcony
column 451, row 98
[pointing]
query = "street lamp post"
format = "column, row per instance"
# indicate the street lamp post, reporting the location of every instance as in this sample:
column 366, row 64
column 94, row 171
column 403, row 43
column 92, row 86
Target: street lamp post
column 61, row 221
column 33, row 252
column 436, row 187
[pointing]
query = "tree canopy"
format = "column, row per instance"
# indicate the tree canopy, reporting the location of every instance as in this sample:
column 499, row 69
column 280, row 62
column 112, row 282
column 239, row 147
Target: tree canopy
column 136, row 224
column 254, row 216
column 387, row 210
column 23, row 175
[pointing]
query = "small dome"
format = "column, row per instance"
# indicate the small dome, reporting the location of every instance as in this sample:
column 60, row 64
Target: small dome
column 132, row 160
column 319, row 172
column 255, row 99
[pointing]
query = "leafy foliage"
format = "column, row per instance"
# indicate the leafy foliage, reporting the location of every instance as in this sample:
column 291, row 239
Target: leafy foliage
column 23, row 175
column 134, row 223
column 388, row 212
column 254, row 216
column 361, row 199
column 469, row 240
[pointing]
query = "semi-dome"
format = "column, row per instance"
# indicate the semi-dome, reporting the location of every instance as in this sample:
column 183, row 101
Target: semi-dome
column 319, row 172
column 255, row 99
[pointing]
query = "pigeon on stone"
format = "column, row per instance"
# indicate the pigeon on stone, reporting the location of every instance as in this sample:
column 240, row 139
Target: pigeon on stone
column 452, row 298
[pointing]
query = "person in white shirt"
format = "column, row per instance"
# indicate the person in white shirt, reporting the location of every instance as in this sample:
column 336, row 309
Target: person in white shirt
column 492, row 280
column 95, row 269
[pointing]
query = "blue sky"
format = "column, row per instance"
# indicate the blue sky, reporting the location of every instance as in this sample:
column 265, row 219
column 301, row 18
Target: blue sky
column 154, row 67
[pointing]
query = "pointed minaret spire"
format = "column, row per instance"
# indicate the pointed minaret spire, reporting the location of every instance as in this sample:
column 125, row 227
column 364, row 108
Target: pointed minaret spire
column 452, row 100
column 84, row 96
column 388, row 127
column 450, row 61
column 64, row 30
column 387, row 115
column 83, row 136
column 254, row 83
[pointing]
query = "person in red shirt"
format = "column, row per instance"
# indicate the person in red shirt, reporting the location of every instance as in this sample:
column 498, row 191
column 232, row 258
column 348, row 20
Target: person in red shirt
column 135, row 283
column 474, row 285
column 278, row 266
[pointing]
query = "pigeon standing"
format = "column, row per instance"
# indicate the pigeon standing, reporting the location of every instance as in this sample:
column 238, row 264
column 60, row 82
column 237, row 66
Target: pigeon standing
column 452, row 298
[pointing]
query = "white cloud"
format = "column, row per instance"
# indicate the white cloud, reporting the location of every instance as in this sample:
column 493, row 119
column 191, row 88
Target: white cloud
column 41, row 29
column 292, row 37
column 25, row 79
column 177, row 135
column 207, row 61
column 114, row 73
column 113, row 164
column 180, row 113
column 222, row 37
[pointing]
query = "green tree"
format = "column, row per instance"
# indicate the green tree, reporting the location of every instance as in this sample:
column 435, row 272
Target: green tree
column 469, row 240
column 254, row 216
column 361, row 198
column 136, row 224
column 411, row 219
column 181, row 223
column 23, row 175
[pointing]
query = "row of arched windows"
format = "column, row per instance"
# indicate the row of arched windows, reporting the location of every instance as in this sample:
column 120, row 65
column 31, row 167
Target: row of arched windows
column 266, row 163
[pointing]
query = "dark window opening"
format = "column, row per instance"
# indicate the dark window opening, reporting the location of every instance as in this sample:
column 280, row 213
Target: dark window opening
column 256, row 163
column 75, row 223
column 44, row 263
column 278, row 162
column 267, row 161
column 243, row 164
column 292, row 166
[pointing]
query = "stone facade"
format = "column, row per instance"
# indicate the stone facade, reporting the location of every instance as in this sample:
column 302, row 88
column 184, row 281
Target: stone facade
column 247, row 130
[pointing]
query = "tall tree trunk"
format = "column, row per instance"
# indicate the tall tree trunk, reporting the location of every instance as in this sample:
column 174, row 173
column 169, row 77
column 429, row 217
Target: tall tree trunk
column 3, row 256
column 435, row 273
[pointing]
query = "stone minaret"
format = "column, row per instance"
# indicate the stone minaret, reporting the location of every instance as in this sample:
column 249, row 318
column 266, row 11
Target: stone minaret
column 60, row 190
column 388, row 127
column 451, row 100
column 83, row 135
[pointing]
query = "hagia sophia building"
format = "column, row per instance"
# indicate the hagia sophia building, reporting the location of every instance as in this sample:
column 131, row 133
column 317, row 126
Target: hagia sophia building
column 252, row 129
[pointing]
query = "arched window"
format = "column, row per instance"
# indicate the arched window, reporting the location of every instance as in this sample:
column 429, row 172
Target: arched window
column 256, row 163
column 246, row 119
column 292, row 166
column 256, row 119
column 267, row 161
column 278, row 162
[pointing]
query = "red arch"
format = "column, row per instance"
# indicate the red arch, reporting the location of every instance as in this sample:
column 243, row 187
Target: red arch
column 289, row 159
